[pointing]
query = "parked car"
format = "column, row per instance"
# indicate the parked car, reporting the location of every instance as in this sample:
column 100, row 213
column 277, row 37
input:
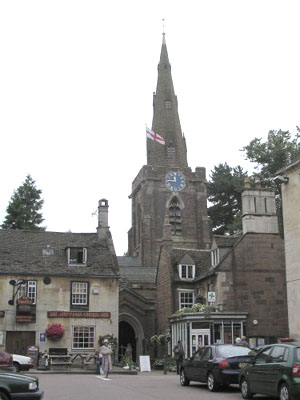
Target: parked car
column 274, row 371
column 16, row 386
column 6, row 361
column 217, row 365
column 22, row 363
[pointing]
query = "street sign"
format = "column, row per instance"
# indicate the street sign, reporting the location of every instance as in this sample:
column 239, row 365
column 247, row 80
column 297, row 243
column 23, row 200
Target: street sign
column 211, row 297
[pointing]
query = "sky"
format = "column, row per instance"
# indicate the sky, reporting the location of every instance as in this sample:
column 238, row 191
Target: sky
column 76, row 87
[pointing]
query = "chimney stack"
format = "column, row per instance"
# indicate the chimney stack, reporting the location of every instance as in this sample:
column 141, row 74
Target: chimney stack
column 103, row 216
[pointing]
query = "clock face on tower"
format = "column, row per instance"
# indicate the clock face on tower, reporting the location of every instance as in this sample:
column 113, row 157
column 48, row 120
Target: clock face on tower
column 175, row 181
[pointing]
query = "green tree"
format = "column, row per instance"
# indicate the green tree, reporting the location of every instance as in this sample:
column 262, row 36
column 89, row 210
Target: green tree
column 280, row 148
column 270, row 156
column 224, row 193
column 24, row 206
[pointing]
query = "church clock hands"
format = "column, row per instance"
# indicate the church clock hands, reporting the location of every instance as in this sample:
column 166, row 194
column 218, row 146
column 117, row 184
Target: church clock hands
column 175, row 181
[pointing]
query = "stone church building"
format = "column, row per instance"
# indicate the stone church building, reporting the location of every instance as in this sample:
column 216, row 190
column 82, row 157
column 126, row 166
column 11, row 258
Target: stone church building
column 174, row 260
column 173, row 263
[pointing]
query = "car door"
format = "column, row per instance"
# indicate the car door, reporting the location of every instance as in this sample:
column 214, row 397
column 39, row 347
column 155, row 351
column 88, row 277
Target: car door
column 273, row 368
column 255, row 375
column 192, row 370
column 204, row 363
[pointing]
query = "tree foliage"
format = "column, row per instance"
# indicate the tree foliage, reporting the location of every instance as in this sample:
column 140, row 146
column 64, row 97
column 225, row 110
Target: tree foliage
column 280, row 148
column 24, row 206
column 224, row 192
column 270, row 156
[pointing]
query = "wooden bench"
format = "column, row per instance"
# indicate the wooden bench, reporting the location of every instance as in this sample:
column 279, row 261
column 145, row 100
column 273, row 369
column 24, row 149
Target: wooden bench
column 59, row 356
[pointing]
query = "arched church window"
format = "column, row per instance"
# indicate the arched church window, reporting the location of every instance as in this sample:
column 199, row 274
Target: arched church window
column 167, row 104
column 175, row 217
column 170, row 150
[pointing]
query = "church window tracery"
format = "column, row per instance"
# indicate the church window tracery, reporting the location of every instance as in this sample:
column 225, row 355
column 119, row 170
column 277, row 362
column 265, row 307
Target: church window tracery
column 171, row 151
column 175, row 217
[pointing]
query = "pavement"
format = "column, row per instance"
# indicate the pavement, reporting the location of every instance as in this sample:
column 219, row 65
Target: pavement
column 78, row 370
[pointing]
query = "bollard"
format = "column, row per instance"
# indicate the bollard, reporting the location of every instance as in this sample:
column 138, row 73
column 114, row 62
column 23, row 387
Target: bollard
column 165, row 367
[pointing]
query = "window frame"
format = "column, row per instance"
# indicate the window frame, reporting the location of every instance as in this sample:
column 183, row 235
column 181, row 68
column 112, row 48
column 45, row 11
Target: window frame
column 185, row 304
column 71, row 262
column 23, row 289
column 85, row 305
column 85, row 337
column 215, row 257
column 188, row 267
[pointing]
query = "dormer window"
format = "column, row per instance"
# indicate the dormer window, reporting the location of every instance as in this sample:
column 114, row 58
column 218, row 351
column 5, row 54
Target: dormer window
column 215, row 257
column 186, row 272
column 77, row 256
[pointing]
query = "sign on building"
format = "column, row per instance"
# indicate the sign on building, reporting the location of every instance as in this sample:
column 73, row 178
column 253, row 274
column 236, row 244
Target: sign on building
column 211, row 297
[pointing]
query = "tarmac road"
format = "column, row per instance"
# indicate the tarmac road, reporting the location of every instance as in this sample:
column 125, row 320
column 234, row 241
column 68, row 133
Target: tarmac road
column 144, row 386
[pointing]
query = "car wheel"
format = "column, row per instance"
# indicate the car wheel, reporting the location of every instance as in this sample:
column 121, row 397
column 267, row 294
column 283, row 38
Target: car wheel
column 3, row 396
column 16, row 367
column 211, row 382
column 244, row 386
column 284, row 392
column 183, row 379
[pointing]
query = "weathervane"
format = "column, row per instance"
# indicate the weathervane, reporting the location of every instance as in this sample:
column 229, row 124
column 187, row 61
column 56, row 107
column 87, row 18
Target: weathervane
column 163, row 20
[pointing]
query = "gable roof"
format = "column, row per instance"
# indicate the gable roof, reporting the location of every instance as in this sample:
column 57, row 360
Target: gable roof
column 133, row 271
column 23, row 252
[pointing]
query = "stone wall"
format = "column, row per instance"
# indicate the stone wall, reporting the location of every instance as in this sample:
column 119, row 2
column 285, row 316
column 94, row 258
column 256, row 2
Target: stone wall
column 56, row 297
column 252, row 279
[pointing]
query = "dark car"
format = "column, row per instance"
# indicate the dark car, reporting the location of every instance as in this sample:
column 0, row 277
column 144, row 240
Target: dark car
column 6, row 361
column 16, row 386
column 274, row 371
column 217, row 365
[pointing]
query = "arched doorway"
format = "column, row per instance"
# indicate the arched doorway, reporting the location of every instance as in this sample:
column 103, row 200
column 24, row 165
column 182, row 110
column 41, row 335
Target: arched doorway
column 131, row 331
column 127, row 335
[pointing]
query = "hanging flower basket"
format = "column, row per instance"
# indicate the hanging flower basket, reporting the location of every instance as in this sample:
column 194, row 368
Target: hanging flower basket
column 55, row 332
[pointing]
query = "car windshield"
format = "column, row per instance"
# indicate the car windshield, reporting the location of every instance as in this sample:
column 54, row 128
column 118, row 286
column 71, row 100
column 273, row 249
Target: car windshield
column 297, row 354
column 231, row 351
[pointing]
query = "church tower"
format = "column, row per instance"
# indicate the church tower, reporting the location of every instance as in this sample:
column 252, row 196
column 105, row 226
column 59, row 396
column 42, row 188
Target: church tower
column 166, row 186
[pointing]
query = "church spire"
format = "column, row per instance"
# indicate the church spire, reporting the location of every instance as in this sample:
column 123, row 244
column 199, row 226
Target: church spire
column 166, row 119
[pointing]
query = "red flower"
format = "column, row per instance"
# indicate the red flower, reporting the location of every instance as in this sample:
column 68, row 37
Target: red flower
column 55, row 332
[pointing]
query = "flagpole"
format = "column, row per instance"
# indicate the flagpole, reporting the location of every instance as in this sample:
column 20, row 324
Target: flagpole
column 146, row 126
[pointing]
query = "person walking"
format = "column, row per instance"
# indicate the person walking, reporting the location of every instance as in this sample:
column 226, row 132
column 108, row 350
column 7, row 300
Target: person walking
column 99, row 359
column 178, row 355
column 106, row 352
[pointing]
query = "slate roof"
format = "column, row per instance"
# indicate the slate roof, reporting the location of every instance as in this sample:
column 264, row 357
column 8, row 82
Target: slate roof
column 133, row 271
column 23, row 252
column 202, row 259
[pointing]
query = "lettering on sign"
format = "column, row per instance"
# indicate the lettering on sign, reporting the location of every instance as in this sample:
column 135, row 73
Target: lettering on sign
column 78, row 314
